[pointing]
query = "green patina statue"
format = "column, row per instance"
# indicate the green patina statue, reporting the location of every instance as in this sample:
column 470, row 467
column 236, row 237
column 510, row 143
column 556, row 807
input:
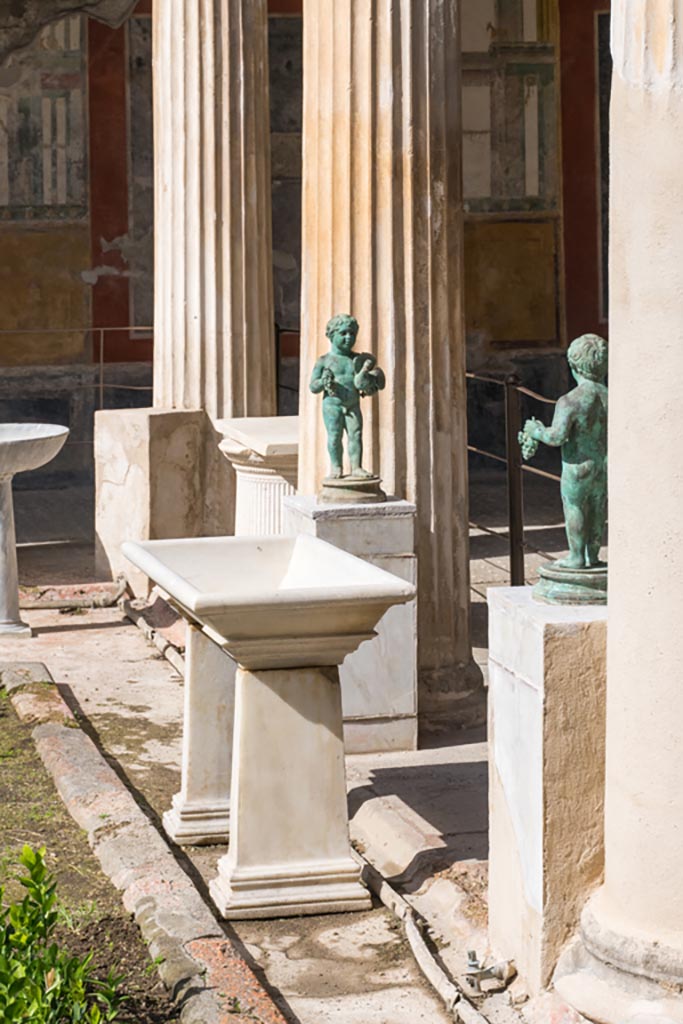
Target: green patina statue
column 344, row 377
column 579, row 428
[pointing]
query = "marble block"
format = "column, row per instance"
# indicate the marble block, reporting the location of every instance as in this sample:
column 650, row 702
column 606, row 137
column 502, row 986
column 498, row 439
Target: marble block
column 200, row 814
column 546, row 775
column 263, row 451
column 147, row 476
column 379, row 680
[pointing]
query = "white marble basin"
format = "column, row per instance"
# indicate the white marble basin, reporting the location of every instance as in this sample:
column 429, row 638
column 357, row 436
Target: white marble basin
column 273, row 601
column 25, row 446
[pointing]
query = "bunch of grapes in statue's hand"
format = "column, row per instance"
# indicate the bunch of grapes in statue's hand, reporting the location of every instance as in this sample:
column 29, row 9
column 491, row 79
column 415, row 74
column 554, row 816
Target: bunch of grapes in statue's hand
column 529, row 444
column 329, row 383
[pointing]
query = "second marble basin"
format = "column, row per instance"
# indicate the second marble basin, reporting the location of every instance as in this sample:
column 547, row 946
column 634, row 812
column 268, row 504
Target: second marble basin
column 25, row 446
column 273, row 601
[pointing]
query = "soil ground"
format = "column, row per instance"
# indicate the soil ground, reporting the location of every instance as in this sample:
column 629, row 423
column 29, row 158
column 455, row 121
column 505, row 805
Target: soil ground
column 34, row 814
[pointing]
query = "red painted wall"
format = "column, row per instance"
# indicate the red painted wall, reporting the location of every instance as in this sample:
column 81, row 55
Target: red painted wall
column 109, row 187
column 580, row 165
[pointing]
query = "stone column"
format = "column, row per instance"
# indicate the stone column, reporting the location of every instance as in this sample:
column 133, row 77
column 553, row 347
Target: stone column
column 214, row 350
column 382, row 239
column 635, row 921
column 213, row 311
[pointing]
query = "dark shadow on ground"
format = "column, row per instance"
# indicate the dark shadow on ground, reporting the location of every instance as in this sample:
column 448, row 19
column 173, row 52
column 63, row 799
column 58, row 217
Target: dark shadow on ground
column 72, row 625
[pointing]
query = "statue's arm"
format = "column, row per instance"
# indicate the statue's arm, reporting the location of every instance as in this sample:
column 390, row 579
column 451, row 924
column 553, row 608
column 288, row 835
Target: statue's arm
column 317, row 379
column 558, row 432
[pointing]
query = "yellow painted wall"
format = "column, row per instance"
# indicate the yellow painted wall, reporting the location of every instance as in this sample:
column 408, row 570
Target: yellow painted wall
column 511, row 281
column 41, row 287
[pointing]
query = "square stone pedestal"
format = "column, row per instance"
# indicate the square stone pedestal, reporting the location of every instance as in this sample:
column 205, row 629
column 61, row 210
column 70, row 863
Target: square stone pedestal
column 378, row 681
column 158, row 474
column 547, row 774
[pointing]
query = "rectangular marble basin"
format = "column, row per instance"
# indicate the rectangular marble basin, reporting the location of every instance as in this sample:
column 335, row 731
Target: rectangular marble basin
column 273, row 602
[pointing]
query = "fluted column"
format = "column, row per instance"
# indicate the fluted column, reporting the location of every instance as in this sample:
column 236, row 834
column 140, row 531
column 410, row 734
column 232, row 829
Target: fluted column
column 382, row 239
column 213, row 346
column 635, row 921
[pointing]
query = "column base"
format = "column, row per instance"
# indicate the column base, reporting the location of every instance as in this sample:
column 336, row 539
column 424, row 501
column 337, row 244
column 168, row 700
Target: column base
column 15, row 629
column 196, row 825
column 289, row 890
column 453, row 696
column 606, row 995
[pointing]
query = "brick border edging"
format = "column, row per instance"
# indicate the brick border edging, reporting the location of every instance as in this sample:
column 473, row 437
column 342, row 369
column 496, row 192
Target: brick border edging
column 201, row 967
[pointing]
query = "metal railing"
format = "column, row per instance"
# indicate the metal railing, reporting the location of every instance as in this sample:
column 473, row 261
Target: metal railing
column 99, row 339
column 514, row 464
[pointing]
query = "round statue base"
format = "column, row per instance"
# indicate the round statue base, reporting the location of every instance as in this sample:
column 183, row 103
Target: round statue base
column 351, row 490
column 560, row 585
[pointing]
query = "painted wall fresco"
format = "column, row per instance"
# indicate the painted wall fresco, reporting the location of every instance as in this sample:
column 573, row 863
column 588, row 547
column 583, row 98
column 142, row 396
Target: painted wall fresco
column 44, row 234
column 139, row 252
column 510, row 176
column 42, row 128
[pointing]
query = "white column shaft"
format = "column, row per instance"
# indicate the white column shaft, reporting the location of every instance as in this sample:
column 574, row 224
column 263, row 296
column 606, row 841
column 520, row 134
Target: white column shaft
column 383, row 235
column 636, row 921
column 214, row 346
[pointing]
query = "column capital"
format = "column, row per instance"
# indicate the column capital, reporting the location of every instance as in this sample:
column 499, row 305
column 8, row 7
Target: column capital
column 647, row 43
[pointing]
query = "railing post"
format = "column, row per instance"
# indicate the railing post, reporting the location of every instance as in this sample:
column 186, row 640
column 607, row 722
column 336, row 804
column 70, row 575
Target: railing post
column 513, row 425
column 101, row 367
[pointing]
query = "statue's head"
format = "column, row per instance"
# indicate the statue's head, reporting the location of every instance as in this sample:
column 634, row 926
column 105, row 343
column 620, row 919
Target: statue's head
column 587, row 357
column 342, row 331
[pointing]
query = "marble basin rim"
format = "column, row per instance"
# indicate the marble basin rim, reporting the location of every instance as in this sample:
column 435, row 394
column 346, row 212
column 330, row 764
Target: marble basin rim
column 273, row 602
column 25, row 446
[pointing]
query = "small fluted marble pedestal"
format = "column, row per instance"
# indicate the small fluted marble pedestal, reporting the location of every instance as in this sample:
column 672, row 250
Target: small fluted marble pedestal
column 263, row 451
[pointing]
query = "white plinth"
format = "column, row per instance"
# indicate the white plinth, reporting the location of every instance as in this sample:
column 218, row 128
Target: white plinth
column 264, row 454
column 10, row 620
column 547, row 777
column 201, row 810
column 289, row 846
column 379, row 680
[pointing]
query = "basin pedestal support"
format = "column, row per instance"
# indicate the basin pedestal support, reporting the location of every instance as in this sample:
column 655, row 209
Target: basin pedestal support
column 289, row 844
column 200, row 814
column 10, row 620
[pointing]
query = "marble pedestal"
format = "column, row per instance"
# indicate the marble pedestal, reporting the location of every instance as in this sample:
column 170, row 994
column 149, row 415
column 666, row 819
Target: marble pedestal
column 547, row 774
column 200, row 814
column 379, row 680
column 263, row 451
column 11, row 623
column 289, row 845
